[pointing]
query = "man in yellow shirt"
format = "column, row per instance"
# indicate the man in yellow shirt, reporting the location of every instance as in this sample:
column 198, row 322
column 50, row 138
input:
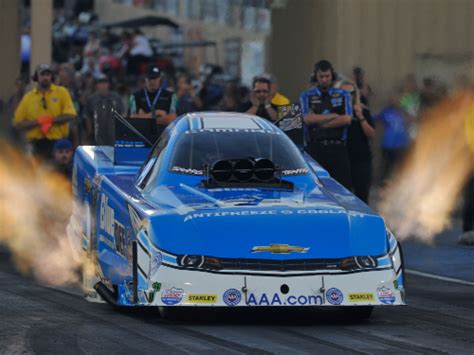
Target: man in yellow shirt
column 44, row 112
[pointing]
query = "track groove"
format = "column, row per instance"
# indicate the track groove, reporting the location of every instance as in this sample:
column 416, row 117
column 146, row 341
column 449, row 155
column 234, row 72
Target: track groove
column 395, row 343
column 322, row 341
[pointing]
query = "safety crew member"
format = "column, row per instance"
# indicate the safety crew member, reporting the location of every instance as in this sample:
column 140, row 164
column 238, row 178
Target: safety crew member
column 328, row 113
column 154, row 101
column 44, row 112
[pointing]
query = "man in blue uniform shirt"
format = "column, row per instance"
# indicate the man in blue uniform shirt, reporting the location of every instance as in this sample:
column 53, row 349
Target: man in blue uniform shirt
column 327, row 114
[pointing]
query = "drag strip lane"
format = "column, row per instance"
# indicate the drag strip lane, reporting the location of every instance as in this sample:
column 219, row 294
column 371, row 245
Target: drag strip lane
column 438, row 319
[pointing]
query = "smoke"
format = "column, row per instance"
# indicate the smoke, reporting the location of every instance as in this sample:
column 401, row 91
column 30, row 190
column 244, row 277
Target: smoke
column 35, row 207
column 421, row 196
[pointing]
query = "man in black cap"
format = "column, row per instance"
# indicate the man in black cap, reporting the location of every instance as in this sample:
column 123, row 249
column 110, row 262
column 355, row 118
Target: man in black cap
column 100, row 127
column 327, row 114
column 154, row 101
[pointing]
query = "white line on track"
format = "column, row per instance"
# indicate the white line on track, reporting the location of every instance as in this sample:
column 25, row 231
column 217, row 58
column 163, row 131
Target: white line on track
column 437, row 277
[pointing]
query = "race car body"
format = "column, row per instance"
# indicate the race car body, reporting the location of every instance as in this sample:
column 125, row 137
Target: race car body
column 224, row 210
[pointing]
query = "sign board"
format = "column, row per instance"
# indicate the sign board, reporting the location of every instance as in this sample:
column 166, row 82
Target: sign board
column 290, row 121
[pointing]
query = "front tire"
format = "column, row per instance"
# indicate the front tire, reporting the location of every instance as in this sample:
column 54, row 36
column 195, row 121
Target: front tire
column 358, row 313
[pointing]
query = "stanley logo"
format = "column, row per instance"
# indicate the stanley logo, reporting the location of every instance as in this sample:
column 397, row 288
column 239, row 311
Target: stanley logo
column 202, row 298
column 361, row 297
column 279, row 249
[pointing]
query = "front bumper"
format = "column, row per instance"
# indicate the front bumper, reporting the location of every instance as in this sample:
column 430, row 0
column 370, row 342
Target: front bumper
column 173, row 287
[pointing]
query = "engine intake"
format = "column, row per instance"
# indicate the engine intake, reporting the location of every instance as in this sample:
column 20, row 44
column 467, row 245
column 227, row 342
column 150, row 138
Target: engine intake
column 243, row 170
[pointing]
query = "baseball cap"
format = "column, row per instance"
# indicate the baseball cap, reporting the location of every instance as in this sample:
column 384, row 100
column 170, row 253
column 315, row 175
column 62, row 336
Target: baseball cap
column 41, row 68
column 153, row 72
column 62, row 144
column 100, row 78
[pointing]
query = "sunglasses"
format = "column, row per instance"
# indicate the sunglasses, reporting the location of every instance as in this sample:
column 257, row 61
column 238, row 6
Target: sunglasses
column 44, row 103
column 261, row 91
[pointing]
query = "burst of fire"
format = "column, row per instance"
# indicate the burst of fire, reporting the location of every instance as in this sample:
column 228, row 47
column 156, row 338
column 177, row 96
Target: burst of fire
column 35, row 206
column 421, row 196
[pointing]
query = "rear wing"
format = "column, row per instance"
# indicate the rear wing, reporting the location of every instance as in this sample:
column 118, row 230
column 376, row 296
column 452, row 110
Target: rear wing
column 130, row 139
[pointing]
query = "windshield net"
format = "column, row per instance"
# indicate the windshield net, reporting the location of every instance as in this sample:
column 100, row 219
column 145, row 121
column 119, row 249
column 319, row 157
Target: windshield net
column 195, row 149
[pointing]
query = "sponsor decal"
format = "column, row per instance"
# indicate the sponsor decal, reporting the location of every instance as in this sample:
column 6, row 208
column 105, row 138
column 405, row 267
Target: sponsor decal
column 294, row 172
column 150, row 295
column 172, row 296
column 235, row 130
column 106, row 215
column 279, row 249
column 202, row 298
column 192, row 216
column 386, row 295
column 361, row 297
column 232, row 297
column 334, row 296
column 119, row 234
column 291, row 300
column 155, row 263
column 179, row 169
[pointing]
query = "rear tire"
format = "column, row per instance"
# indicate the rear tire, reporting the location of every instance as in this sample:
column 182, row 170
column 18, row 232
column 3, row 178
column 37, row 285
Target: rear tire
column 358, row 313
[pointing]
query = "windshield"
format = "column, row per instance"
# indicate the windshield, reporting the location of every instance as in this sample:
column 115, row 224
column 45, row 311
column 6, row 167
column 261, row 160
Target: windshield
column 195, row 149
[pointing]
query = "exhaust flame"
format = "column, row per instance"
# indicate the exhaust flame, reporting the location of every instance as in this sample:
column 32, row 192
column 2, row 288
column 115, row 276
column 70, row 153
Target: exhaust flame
column 35, row 206
column 418, row 201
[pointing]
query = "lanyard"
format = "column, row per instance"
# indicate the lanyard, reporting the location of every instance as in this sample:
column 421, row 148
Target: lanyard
column 150, row 105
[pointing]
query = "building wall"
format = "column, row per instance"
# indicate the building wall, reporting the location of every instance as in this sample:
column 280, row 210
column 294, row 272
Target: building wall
column 111, row 11
column 10, row 60
column 388, row 38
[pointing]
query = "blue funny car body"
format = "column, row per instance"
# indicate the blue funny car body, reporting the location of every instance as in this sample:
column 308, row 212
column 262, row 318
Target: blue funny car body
column 224, row 210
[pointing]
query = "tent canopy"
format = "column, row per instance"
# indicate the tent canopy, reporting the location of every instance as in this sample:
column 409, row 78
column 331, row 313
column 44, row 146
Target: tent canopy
column 143, row 21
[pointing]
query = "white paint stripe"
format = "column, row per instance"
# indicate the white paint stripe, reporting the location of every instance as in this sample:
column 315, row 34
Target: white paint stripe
column 437, row 277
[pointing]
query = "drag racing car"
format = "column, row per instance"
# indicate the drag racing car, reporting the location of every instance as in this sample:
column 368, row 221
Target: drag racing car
column 225, row 211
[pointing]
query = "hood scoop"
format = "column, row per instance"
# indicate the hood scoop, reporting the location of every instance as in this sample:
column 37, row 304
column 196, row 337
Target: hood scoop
column 247, row 172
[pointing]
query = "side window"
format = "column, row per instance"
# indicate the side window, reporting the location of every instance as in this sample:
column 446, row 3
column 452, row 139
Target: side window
column 153, row 160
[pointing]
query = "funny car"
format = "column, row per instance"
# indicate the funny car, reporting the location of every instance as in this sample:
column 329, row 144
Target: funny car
column 224, row 210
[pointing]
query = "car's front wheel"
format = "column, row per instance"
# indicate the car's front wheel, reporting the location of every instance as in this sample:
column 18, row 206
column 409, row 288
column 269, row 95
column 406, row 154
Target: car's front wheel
column 358, row 313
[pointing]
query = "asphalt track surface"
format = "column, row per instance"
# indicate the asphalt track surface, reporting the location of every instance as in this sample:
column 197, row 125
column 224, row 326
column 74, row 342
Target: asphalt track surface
column 37, row 319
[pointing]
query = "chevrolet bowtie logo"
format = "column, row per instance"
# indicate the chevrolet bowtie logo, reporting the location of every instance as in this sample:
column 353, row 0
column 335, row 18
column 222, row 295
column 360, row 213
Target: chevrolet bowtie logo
column 279, row 249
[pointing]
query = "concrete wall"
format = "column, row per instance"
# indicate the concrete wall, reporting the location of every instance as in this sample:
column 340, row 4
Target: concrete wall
column 10, row 57
column 386, row 37
column 41, row 33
